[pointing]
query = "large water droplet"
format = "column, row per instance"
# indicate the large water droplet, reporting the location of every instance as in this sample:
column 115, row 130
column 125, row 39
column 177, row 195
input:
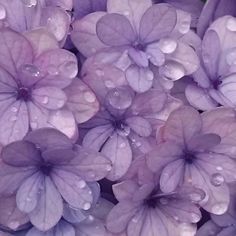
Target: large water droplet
column 87, row 206
column 119, row 98
column 219, row 208
column 167, row 45
column 52, row 70
column 197, row 196
column 173, row 70
column 219, row 168
column 30, row 70
column 89, row 97
column 69, row 69
column 231, row 24
column 3, row 12
column 217, row 179
column 29, row 3
column 126, row 13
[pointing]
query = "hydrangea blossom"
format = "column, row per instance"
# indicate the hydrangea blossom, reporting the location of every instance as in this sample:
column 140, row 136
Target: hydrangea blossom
column 46, row 168
column 147, row 41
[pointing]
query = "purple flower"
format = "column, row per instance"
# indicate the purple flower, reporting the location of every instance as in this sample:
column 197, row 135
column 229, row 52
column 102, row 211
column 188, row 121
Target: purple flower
column 27, row 15
column 145, row 210
column 147, row 40
column 216, row 75
column 192, row 153
column 36, row 89
column 44, row 169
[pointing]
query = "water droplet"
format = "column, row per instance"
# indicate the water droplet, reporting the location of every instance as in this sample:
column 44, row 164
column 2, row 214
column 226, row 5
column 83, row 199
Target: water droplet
column 89, row 97
column 173, row 70
column 184, row 26
column 13, row 225
column 138, row 144
column 119, row 98
column 87, row 206
column 149, row 75
column 69, row 69
column 109, row 84
column 217, row 179
column 3, row 12
column 126, row 13
column 13, row 118
column 30, row 70
column 14, row 109
column 219, row 168
column 176, row 218
column 197, row 196
column 163, row 201
column 195, row 218
column 108, row 167
column 99, row 72
column 60, row 103
column 81, row 184
column 122, row 145
column 231, row 24
column 167, row 45
column 29, row 3
column 45, row 100
column 52, row 70
column 231, row 58
column 135, row 220
column 90, row 218
column 219, row 208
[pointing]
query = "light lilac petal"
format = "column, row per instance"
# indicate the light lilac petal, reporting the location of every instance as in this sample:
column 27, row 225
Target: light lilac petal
column 230, row 231
column 84, row 34
column 81, row 101
column 199, row 98
column 7, row 82
column 208, row 228
column 132, row 9
column 110, row 30
column 157, row 57
column 35, row 232
column 73, row 215
column 117, row 149
column 139, row 125
column 20, row 154
column 140, row 58
column 154, row 28
column 140, row 79
column 49, row 208
column 29, row 193
column 201, row 77
column 63, row 228
column 172, row 176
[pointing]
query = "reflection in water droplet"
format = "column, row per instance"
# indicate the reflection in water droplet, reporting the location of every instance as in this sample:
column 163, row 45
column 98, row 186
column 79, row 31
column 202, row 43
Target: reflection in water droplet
column 217, row 179
column 3, row 12
column 86, row 206
column 231, row 24
column 108, row 167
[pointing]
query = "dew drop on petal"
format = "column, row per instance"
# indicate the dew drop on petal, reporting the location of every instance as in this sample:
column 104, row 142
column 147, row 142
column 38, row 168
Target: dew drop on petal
column 45, row 100
column 69, row 69
column 89, row 97
column 52, row 70
column 29, row 3
column 219, row 208
column 81, row 184
column 231, row 58
column 87, row 206
column 167, row 45
column 30, row 70
column 119, row 98
column 195, row 217
column 173, row 71
column 14, row 109
column 149, row 75
column 3, row 12
column 90, row 218
column 124, row 130
column 197, row 196
column 217, row 179
column 184, row 26
column 122, row 145
column 13, row 225
column 135, row 220
column 219, row 168
column 108, row 167
column 231, row 24
column 109, row 84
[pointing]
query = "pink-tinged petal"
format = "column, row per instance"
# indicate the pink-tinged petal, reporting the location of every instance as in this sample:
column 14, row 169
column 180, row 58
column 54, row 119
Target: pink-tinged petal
column 15, row 50
column 132, row 9
column 64, row 121
column 49, row 208
column 41, row 40
column 81, row 101
column 29, row 192
column 57, row 21
column 182, row 125
column 156, row 56
column 14, row 177
column 211, row 52
column 89, row 164
column 139, row 125
column 199, row 98
column 110, row 30
column 49, row 97
column 60, row 67
column 163, row 154
column 149, row 102
column 185, row 56
column 73, row 189
column 153, row 28
column 84, row 34
column 140, row 79
column 20, row 153
column 209, row 228
column 97, row 136
column 101, row 78
column 11, row 216
column 48, row 138
column 125, row 190
column 7, row 82
column 204, row 142
column 172, row 176
column 14, row 122
column 140, row 58
column 217, row 197
column 117, row 149
column 120, row 215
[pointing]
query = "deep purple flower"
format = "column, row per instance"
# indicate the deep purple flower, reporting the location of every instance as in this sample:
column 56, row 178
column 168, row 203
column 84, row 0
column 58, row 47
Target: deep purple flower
column 147, row 40
column 216, row 75
column 192, row 153
column 45, row 168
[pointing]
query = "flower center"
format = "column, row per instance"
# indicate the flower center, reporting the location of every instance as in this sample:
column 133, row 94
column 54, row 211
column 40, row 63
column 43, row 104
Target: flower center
column 138, row 46
column 46, row 168
column 216, row 83
column 118, row 124
column 189, row 157
column 23, row 94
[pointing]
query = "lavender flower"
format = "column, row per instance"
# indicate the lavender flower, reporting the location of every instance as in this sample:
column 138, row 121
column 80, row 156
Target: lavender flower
column 45, row 168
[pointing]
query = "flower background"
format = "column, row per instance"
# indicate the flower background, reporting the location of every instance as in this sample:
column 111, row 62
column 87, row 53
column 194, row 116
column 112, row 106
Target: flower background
column 117, row 118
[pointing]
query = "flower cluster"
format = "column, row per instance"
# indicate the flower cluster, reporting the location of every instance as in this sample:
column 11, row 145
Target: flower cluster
column 117, row 117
